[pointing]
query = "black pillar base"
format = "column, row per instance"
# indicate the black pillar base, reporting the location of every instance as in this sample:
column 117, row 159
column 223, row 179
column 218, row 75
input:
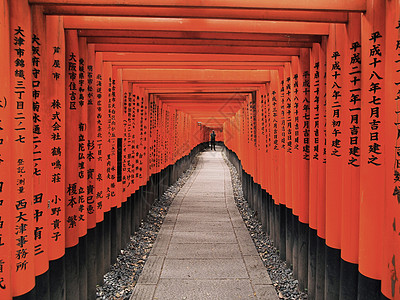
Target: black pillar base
column 348, row 280
column 332, row 273
column 368, row 288
column 99, row 252
column 282, row 231
column 312, row 263
column 289, row 236
column 72, row 273
column 91, row 264
column 295, row 252
column 57, row 278
column 107, row 241
column 83, row 271
column 303, row 234
column 31, row 295
column 42, row 286
column 320, row 269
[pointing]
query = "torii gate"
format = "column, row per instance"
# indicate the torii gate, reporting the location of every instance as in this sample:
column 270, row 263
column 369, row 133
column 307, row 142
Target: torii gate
column 98, row 98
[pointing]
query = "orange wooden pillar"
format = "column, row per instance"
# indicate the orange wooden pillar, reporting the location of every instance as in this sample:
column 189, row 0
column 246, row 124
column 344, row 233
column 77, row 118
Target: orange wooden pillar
column 304, row 164
column 131, row 140
column 119, row 134
column 315, row 78
column 268, row 138
column 268, row 158
column 282, row 152
column 72, row 137
column 100, row 166
column 123, row 202
column 263, row 141
column 55, row 119
column 287, row 108
column 41, row 144
column 321, row 165
column 296, row 158
column 321, row 196
column 6, row 220
column 21, row 142
column 335, row 135
column 111, row 213
column 100, row 132
column 372, row 165
column 391, row 228
column 304, row 134
column 109, row 200
column 91, row 148
column 126, row 143
column 124, row 91
column 72, row 185
column 288, row 90
column 276, row 132
column 82, row 108
column 91, row 139
column 144, row 137
column 350, row 128
column 282, row 174
column 296, row 155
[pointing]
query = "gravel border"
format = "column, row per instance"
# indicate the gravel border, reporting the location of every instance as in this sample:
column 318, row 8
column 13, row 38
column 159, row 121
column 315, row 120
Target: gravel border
column 281, row 275
column 120, row 281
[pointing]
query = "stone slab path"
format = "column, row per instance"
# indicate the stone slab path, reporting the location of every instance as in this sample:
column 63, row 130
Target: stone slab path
column 203, row 249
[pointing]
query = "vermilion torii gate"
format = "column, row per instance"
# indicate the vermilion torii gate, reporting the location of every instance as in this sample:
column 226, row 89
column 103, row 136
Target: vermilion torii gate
column 103, row 103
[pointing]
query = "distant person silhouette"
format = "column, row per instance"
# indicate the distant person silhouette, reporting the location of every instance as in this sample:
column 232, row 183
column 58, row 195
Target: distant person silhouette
column 212, row 135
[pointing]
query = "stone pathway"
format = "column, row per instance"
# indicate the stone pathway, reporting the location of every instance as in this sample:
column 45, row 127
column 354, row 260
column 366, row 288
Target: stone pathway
column 203, row 250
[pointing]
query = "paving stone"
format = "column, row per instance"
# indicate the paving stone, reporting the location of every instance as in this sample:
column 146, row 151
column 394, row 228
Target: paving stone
column 228, row 289
column 248, row 249
column 152, row 269
column 161, row 244
column 203, row 226
column 257, row 272
column 203, row 217
column 265, row 292
column 205, row 204
column 203, row 209
column 143, row 292
column 203, row 237
column 204, row 268
column 203, row 251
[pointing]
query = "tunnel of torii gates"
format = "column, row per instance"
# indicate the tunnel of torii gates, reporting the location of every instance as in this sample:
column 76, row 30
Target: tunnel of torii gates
column 104, row 103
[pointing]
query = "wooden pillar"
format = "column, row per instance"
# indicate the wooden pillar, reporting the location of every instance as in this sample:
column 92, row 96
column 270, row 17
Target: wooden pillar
column 99, row 155
column 288, row 91
column 321, row 164
column 296, row 159
column 55, row 92
column 315, row 77
column 372, row 165
column 351, row 131
column 304, row 165
column 82, row 108
column 6, row 220
column 391, row 225
column 276, row 132
column 41, row 142
column 99, row 166
column 334, row 157
column 72, row 186
column 91, row 148
column 21, row 142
